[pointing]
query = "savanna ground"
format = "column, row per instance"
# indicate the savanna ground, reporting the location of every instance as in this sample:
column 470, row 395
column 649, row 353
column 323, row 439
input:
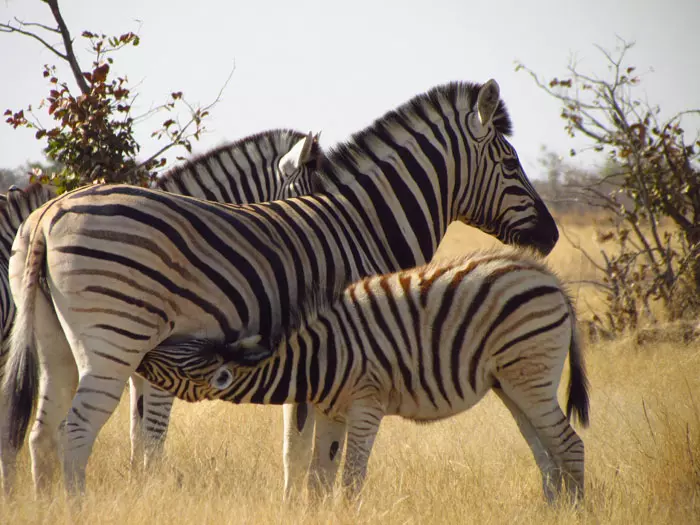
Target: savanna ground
column 224, row 462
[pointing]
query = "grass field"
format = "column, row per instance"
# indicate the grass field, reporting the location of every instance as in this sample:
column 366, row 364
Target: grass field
column 224, row 462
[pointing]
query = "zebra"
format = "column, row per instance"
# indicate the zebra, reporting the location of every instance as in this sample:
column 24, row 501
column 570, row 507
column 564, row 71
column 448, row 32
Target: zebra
column 424, row 344
column 266, row 166
column 14, row 208
column 128, row 268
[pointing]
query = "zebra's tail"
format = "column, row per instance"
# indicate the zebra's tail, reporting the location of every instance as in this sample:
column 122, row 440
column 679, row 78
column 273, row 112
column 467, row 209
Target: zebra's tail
column 577, row 402
column 21, row 378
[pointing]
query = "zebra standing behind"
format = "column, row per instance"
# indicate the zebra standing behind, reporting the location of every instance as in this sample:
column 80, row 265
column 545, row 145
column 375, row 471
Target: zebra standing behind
column 128, row 268
column 15, row 207
column 424, row 344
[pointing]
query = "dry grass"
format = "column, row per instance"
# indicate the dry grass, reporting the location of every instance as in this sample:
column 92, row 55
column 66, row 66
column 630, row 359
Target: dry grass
column 643, row 456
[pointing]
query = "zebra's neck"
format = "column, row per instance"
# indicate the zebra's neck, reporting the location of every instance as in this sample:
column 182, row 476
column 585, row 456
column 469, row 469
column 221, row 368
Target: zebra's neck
column 404, row 178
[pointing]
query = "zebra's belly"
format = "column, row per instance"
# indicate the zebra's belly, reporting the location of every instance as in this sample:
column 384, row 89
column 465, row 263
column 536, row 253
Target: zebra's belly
column 424, row 408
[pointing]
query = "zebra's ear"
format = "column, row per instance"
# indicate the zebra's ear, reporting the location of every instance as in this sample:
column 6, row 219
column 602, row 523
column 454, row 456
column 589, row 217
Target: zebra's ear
column 249, row 351
column 300, row 154
column 487, row 101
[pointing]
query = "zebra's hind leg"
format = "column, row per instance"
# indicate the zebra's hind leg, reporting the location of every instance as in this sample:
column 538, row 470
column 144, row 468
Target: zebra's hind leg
column 557, row 448
column 362, row 426
column 57, row 386
column 98, row 394
column 296, row 449
column 7, row 455
column 328, row 450
column 150, row 415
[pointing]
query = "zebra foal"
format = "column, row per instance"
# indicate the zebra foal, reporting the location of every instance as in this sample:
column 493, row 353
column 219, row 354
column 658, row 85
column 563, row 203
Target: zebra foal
column 424, row 344
column 128, row 268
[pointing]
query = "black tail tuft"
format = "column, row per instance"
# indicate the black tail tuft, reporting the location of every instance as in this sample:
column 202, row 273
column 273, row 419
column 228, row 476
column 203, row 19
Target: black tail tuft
column 21, row 392
column 577, row 403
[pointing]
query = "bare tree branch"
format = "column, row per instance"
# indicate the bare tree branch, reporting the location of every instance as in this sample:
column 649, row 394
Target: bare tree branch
column 37, row 24
column 68, row 44
column 7, row 28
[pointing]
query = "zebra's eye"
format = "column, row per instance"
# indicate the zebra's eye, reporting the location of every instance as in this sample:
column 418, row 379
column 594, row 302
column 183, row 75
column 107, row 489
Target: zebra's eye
column 222, row 378
column 511, row 164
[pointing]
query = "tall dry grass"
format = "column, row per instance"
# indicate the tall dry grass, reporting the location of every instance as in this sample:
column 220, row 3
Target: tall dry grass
column 224, row 462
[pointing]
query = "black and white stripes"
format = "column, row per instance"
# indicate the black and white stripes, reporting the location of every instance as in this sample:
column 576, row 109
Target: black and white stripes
column 129, row 268
column 267, row 166
column 424, row 344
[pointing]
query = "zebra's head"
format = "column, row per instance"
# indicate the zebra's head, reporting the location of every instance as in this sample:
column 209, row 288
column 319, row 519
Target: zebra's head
column 199, row 369
column 298, row 167
column 504, row 204
column 241, row 356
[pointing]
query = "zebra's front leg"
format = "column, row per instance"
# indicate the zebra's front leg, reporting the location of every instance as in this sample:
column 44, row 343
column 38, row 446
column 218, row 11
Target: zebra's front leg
column 328, row 450
column 296, row 449
column 150, row 415
column 362, row 425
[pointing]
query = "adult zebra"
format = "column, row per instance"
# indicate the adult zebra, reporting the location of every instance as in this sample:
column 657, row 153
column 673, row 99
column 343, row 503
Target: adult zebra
column 266, row 166
column 197, row 269
column 15, row 207
column 424, row 344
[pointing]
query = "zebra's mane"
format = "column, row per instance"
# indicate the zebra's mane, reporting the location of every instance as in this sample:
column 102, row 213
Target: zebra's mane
column 277, row 136
column 15, row 193
column 456, row 94
column 18, row 197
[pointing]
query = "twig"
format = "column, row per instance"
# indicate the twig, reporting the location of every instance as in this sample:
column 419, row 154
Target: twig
column 68, row 43
column 6, row 28
column 178, row 136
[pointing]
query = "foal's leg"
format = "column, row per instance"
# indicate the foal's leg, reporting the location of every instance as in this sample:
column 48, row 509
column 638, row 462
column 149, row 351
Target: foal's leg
column 328, row 450
column 558, row 450
column 363, row 425
column 296, row 450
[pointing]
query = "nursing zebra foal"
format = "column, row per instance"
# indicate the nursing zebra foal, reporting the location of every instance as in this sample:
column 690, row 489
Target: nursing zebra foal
column 15, row 207
column 424, row 344
column 129, row 268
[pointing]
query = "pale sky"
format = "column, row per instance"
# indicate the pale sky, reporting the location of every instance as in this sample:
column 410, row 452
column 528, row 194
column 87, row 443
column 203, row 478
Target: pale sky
column 335, row 67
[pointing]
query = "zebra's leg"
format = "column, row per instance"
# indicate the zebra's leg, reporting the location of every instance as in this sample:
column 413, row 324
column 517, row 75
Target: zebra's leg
column 296, row 449
column 150, row 414
column 98, row 394
column 7, row 457
column 557, row 448
column 328, row 450
column 156, row 416
column 362, row 426
column 57, row 386
column 136, row 424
